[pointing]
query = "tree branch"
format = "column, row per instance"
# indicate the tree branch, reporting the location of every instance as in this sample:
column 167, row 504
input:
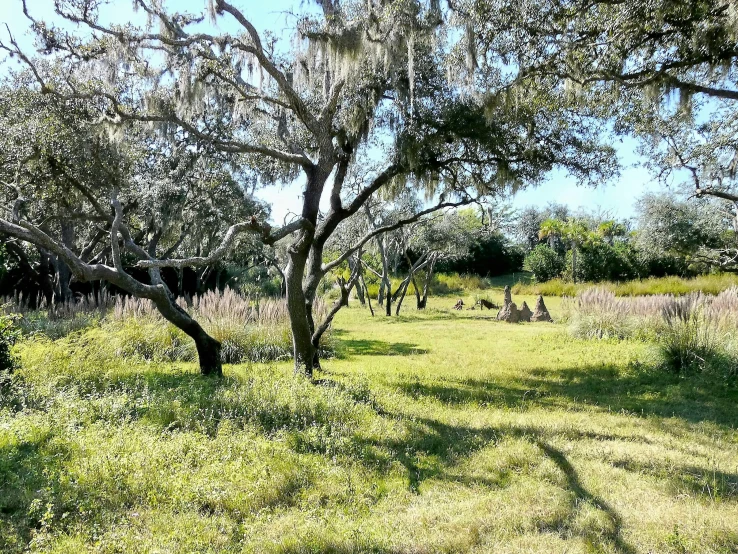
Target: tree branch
column 386, row 228
column 267, row 236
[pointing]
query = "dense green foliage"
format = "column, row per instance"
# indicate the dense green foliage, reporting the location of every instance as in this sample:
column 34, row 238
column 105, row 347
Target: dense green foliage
column 489, row 255
column 544, row 262
column 8, row 335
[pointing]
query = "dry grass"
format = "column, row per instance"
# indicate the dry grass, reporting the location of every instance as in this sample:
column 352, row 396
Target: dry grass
column 695, row 331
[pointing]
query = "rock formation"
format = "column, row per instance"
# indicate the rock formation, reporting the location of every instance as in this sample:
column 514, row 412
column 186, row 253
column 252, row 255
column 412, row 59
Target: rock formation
column 541, row 313
column 524, row 312
column 509, row 311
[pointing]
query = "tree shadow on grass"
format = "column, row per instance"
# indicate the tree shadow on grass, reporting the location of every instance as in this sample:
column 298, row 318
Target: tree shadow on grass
column 581, row 497
column 426, row 449
column 432, row 448
column 26, row 487
column 368, row 347
column 642, row 392
column 707, row 483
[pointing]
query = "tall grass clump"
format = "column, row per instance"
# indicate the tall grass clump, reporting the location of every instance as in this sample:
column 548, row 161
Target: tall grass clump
column 689, row 339
column 57, row 319
column 694, row 332
column 598, row 314
column 248, row 329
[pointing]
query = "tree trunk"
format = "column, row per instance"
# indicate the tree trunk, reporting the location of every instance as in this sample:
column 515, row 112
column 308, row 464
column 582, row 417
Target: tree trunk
column 180, row 281
column 368, row 297
column 208, row 349
column 302, row 344
column 359, row 289
column 45, row 272
column 360, row 294
column 208, row 354
column 574, row 262
column 402, row 297
column 426, row 286
column 63, row 273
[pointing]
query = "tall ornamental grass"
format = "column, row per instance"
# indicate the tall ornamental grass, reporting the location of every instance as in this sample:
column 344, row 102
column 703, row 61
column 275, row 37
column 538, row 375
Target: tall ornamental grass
column 57, row 319
column 694, row 332
column 249, row 329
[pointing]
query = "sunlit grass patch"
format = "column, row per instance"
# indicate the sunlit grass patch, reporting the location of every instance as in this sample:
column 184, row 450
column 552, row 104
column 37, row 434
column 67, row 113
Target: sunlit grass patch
column 439, row 431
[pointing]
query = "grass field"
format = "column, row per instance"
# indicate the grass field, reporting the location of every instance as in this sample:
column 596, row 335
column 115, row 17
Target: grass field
column 440, row 431
column 678, row 286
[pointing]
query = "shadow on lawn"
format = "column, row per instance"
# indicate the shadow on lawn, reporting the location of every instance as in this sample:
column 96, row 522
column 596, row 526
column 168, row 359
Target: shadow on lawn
column 583, row 496
column 441, row 446
column 606, row 387
column 368, row 347
column 26, row 481
column 426, row 448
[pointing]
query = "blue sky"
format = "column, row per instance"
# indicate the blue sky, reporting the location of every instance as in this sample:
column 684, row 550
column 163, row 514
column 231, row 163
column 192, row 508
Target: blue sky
column 618, row 197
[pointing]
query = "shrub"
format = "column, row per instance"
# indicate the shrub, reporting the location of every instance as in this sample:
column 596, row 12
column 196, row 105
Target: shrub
column 8, row 336
column 544, row 263
column 446, row 283
column 599, row 261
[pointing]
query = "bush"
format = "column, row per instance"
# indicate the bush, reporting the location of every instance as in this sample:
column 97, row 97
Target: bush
column 447, row 283
column 544, row 263
column 599, row 261
column 490, row 255
column 8, row 336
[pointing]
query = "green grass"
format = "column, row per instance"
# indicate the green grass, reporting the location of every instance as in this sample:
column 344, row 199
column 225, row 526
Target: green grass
column 440, row 431
column 709, row 284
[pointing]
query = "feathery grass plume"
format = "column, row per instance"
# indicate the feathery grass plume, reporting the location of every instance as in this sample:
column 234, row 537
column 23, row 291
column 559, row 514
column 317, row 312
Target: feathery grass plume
column 249, row 329
column 689, row 340
column 694, row 332
column 58, row 319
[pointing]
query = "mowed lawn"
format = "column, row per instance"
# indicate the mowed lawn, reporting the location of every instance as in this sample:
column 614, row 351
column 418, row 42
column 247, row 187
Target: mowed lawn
column 439, row 431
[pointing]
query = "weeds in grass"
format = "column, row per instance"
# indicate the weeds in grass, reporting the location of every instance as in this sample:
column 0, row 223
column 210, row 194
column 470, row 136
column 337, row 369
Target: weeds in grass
column 526, row 442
